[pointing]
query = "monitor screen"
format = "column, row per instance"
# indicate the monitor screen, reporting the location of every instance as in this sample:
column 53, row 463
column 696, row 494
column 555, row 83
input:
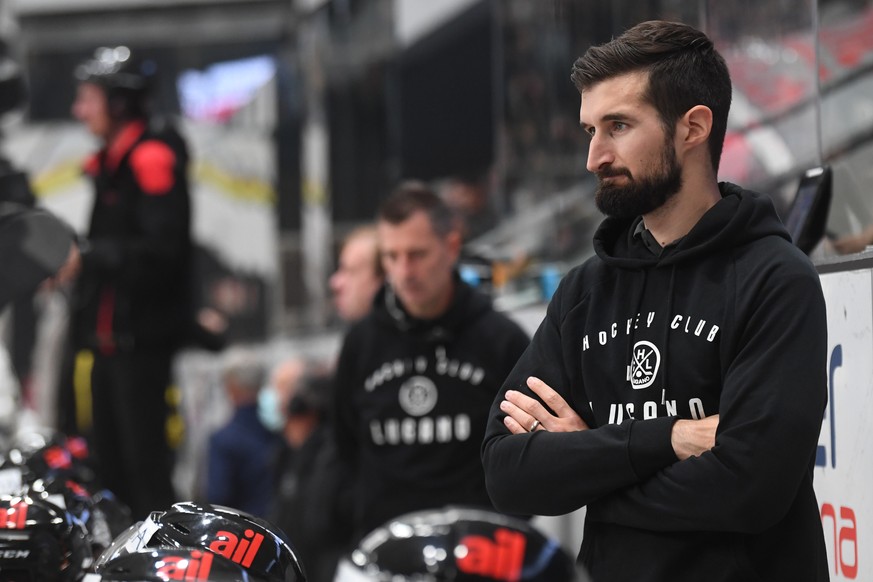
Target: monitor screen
column 807, row 217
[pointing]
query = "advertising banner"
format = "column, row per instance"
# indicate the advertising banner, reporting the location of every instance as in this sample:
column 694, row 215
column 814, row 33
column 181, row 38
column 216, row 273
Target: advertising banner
column 843, row 472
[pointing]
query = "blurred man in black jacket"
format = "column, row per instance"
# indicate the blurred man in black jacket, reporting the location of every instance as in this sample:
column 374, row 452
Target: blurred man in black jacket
column 34, row 244
column 131, row 301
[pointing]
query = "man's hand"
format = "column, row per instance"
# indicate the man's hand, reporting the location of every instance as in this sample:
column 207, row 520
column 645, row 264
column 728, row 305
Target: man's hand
column 67, row 272
column 854, row 243
column 692, row 438
column 524, row 412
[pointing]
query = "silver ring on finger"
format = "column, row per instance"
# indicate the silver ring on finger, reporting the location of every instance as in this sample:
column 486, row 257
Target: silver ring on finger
column 534, row 425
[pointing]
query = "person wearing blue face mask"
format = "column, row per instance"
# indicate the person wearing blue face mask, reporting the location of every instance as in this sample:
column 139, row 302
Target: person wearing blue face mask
column 274, row 396
column 268, row 408
column 242, row 453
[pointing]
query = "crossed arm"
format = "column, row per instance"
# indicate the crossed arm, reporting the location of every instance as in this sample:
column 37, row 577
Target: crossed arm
column 690, row 438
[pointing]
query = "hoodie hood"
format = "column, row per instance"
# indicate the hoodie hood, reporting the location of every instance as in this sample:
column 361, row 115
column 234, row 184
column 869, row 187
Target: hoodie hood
column 740, row 217
column 466, row 307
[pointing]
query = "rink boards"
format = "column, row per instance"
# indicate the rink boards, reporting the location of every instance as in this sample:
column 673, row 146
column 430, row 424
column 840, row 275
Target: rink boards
column 844, row 471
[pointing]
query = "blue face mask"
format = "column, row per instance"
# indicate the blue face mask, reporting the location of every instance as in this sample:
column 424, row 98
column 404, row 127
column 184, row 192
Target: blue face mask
column 268, row 409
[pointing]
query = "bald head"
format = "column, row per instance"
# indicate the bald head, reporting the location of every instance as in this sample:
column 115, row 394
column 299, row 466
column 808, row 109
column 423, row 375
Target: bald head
column 358, row 276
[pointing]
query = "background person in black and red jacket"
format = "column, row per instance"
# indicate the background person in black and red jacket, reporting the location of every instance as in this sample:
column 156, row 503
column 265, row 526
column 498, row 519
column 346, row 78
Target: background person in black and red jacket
column 131, row 303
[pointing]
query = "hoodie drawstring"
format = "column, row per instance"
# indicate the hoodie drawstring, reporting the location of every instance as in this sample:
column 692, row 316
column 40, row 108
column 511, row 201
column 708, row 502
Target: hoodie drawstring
column 631, row 336
column 666, row 343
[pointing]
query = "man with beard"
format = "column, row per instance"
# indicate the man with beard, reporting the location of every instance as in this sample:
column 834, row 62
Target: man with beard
column 675, row 388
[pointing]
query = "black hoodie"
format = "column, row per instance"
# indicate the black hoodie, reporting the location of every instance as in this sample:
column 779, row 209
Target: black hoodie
column 729, row 321
column 411, row 403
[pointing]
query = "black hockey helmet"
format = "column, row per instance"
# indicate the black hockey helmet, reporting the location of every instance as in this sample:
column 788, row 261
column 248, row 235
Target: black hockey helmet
column 100, row 515
column 459, row 545
column 126, row 79
column 246, row 540
column 162, row 564
column 40, row 541
column 66, row 494
column 48, row 454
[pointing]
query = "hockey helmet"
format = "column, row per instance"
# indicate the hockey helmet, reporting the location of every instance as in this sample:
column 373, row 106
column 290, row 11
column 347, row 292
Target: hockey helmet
column 162, row 564
column 47, row 454
column 127, row 80
column 40, row 541
column 246, row 540
column 459, row 545
column 99, row 515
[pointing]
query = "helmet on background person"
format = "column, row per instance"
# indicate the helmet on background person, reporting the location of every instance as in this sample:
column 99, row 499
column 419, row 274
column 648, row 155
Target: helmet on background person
column 162, row 564
column 40, row 541
column 457, row 544
column 125, row 79
column 251, row 542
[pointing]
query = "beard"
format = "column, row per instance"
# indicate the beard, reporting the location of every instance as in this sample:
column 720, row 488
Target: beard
column 639, row 196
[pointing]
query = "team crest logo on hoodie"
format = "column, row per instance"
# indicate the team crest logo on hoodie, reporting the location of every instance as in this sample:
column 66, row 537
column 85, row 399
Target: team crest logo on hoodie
column 418, row 396
column 644, row 364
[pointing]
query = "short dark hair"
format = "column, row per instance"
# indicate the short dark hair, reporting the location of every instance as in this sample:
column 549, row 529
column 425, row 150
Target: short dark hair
column 414, row 196
column 312, row 395
column 684, row 70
